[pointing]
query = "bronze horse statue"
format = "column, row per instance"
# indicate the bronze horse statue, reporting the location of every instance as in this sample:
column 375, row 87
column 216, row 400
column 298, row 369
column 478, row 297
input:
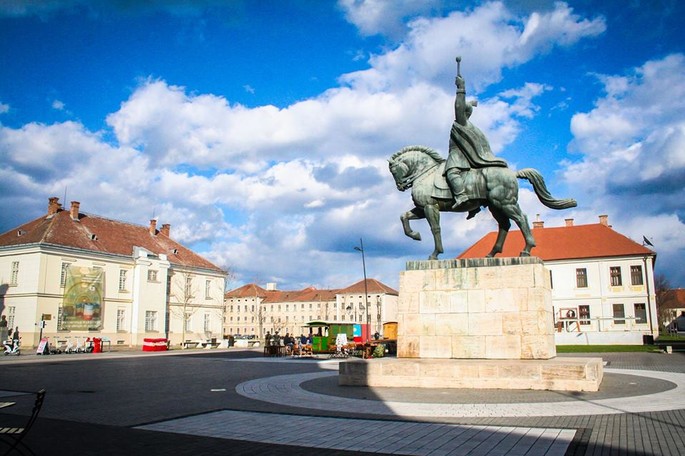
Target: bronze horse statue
column 421, row 169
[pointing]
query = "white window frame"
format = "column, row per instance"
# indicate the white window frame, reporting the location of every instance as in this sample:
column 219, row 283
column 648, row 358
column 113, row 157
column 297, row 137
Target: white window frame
column 150, row 320
column 14, row 274
column 122, row 279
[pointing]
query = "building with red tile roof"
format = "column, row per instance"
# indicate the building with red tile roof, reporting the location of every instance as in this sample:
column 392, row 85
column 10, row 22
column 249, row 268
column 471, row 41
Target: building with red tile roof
column 286, row 311
column 142, row 282
column 602, row 281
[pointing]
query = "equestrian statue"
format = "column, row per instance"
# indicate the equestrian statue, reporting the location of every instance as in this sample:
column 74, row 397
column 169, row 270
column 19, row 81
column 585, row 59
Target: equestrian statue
column 471, row 178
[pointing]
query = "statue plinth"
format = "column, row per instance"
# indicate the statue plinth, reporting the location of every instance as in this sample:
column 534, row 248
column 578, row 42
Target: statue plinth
column 488, row 308
column 477, row 323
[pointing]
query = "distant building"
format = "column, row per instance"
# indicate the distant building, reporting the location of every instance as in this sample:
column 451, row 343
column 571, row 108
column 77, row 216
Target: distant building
column 602, row 282
column 290, row 311
column 672, row 309
column 89, row 276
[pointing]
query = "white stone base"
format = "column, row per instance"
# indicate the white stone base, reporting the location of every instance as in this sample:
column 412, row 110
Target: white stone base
column 486, row 308
column 559, row 374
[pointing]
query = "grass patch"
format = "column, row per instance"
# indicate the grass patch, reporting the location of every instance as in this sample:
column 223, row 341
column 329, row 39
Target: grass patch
column 671, row 338
column 605, row 348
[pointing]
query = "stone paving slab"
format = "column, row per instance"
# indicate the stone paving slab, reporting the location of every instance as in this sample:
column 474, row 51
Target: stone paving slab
column 389, row 437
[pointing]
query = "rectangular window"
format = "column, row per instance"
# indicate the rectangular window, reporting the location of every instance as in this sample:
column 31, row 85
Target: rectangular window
column 640, row 313
column 206, row 323
column 584, row 314
column 11, row 311
column 122, row 279
column 63, row 275
column 581, row 278
column 208, row 286
column 636, row 275
column 14, row 276
column 121, row 319
column 615, row 274
column 619, row 314
column 150, row 320
column 151, row 275
column 188, row 288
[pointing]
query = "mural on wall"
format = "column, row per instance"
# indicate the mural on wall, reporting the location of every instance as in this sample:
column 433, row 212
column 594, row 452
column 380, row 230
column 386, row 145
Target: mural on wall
column 82, row 306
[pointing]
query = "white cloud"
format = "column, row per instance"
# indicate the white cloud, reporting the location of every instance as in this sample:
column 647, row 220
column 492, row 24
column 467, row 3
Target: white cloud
column 487, row 38
column 632, row 156
column 4, row 108
column 58, row 105
column 287, row 190
column 383, row 16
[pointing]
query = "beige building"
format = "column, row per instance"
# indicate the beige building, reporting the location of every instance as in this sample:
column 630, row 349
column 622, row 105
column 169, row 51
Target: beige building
column 81, row 275
column 602, row 282
column 252, row 310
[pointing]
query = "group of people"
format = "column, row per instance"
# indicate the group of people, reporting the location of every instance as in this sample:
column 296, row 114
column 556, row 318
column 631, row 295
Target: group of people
column 293, row 345
column 288, row 340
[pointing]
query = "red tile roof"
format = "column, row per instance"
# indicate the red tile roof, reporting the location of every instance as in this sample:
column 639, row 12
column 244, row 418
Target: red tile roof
column 98, row 234
column 309, row 294
column 372, row 286
column 563, row 243
column 673, row 299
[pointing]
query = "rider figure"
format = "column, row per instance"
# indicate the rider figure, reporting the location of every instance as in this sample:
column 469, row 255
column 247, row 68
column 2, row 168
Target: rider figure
column 469, row 148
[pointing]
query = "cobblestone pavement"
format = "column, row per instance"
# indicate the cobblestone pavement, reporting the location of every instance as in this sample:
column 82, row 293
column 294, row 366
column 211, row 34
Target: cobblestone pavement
column 218, row 415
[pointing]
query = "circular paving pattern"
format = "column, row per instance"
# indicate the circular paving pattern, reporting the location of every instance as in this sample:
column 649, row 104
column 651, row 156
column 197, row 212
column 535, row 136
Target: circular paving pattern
column 625, row 391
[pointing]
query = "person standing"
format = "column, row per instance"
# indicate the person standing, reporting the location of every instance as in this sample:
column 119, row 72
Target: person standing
column 4, row 335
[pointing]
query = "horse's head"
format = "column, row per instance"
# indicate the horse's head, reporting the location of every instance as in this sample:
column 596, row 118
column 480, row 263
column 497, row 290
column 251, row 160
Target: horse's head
column 409, row 161
column 399, row 171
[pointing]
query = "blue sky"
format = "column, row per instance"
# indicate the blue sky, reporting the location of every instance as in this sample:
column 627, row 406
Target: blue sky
column 260, row 130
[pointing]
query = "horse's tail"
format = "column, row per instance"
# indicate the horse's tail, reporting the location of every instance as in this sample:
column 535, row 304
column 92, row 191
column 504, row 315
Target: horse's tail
column 538, row 183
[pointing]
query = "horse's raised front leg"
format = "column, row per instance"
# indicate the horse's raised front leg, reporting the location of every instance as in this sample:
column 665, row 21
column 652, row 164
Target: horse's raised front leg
column 414, row 214
column 432, row 212
column 504, row 224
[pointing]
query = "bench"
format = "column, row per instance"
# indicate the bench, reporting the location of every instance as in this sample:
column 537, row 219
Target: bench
column 13, row 436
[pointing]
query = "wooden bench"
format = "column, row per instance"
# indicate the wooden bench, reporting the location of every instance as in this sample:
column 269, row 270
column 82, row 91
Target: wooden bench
column 13, row 436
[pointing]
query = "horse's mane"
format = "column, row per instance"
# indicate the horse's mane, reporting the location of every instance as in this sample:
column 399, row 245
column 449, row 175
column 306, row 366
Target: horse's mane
column 432, row 153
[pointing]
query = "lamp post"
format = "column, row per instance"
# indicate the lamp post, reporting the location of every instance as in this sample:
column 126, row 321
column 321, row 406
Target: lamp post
column 360, row 248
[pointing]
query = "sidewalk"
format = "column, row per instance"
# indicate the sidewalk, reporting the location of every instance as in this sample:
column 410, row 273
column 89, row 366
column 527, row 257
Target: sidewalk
column 640, row 410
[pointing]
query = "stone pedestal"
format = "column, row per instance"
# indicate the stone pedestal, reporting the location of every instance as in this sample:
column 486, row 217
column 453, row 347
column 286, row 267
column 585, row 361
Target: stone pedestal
column 486, row 308
column 479, row 323
column 559, row 374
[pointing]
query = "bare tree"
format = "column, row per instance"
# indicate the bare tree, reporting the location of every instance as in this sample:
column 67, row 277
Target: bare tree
column 664, row 296
column 184, row 292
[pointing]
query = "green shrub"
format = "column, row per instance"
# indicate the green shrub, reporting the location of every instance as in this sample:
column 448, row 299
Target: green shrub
column 379, row 351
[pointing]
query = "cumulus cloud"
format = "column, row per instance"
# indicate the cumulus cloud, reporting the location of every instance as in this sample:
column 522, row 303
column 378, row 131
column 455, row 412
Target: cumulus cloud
column 488, row 39
column 290, row 190
column 632, row 154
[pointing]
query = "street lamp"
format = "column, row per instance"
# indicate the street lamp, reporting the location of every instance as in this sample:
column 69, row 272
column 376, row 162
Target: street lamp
column 360, row 248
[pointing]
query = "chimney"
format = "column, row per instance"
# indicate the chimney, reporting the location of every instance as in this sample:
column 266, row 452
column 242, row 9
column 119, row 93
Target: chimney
column 74, row 210
column 53, row 206
column 569, row 221
column 604, row 220
column 153, row 227
column 166, row 228
column 538, row 223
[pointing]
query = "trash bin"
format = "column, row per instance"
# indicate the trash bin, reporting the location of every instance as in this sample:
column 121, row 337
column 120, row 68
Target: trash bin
column 97, row 345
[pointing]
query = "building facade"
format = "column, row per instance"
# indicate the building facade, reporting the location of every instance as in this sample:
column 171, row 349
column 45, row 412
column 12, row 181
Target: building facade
column 69, row 276
column 602, row 282
column 252, row 310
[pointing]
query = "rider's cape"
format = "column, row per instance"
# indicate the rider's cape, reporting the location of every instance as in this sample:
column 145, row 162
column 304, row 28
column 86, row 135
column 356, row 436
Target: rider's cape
column 469, row 148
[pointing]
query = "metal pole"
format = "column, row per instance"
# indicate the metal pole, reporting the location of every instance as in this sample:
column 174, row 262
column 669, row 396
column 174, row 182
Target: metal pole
column 366, row 291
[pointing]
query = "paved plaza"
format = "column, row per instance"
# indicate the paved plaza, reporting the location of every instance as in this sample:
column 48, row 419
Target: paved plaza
column 238, row 402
